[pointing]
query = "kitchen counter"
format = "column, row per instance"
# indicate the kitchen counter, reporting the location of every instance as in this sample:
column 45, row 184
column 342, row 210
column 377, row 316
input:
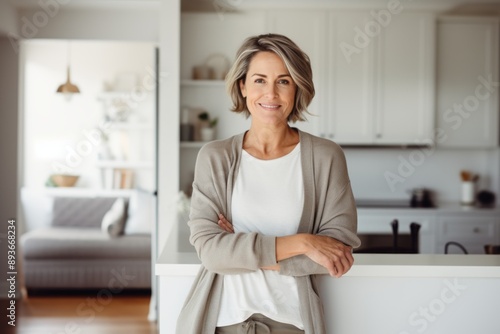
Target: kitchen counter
column 368, row 265
column 401, row 294
column 444, row 207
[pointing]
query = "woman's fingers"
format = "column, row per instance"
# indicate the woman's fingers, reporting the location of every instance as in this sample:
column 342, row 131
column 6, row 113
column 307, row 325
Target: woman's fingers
column 225, row 224
column 332, row 254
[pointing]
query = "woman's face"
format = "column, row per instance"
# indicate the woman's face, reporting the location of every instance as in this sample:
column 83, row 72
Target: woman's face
column 269, row 89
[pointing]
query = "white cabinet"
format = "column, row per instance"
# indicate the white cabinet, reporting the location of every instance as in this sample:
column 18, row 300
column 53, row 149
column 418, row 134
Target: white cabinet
column 467, row 82
column 404, row 101
column 380, row 81
column 350, row 99
column 471, row 231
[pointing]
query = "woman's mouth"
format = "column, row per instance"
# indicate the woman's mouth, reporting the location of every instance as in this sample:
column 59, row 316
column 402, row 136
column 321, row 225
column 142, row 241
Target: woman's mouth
column 269, row 106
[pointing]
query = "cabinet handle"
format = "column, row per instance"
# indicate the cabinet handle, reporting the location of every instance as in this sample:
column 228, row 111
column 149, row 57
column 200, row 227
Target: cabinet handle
column 332, row 136
column 476, row 230
column 378, row 135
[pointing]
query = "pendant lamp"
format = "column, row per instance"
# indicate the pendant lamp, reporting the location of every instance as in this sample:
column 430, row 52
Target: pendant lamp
column 68, row 88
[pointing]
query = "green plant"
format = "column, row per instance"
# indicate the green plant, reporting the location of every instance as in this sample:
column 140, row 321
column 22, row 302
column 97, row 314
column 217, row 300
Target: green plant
column 205, row 117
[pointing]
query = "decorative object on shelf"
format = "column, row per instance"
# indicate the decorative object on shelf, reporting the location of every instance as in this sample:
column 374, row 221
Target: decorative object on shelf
column 68, row 88
column 187, row 128
column 469, row 181
column 215, row 67
column 492, row 249
column 485, row 199
column 207, row 130
column 61, row 180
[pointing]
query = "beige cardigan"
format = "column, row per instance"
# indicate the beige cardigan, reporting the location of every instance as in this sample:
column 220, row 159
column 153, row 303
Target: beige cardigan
column 329, row 209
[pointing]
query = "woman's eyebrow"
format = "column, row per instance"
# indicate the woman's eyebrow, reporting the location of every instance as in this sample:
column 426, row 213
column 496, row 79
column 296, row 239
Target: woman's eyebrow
column 265, row 76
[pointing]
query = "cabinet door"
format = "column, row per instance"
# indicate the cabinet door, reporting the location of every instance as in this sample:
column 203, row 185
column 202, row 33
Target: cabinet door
column 467, row 100
column 471, row 232
column 309, row 35
column 405, row 80
column 350, row 85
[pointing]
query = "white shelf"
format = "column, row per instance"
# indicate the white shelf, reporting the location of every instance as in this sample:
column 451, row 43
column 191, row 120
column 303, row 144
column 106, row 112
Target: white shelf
column 84, row 192
column 131, row 126
column 203, row 83
column 124, row 164
column 120, row 94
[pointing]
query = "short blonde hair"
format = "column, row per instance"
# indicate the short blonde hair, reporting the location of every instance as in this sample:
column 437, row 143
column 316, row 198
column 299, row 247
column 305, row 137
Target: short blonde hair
column 296, row 62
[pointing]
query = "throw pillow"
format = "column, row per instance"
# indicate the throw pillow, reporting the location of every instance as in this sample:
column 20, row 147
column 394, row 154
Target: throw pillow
column 141, row 211
column 114, row 220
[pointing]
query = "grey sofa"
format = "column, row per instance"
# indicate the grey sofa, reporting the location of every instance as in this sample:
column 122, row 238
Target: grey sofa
column 73, row 252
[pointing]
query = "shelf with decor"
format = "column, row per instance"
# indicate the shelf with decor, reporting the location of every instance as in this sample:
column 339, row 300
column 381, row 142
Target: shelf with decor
column 140, row 126
column 124, row 164
column 202, row 83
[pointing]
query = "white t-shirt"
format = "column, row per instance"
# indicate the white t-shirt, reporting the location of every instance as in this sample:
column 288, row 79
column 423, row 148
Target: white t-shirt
column 268, row 198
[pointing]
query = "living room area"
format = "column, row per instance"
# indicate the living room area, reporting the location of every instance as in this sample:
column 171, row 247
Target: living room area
column 78, row 146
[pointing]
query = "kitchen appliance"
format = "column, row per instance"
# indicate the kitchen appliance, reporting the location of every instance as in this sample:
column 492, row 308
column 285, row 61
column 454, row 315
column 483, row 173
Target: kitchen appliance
column 421, row 198
column 379, row 244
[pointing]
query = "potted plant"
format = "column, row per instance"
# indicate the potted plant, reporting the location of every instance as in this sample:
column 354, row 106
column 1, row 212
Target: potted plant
column 207, row 130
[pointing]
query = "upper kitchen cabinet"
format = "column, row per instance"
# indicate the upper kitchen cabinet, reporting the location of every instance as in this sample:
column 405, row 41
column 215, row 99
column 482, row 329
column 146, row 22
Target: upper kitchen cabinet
column 404, row 80
column 351, row 67
column 380, row 78
column 467, row 82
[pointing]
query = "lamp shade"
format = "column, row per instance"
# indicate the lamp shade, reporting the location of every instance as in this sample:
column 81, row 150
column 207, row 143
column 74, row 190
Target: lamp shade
column 68, row 87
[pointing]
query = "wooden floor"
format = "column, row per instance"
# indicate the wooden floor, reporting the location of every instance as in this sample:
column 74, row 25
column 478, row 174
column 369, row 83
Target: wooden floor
column 82, row 314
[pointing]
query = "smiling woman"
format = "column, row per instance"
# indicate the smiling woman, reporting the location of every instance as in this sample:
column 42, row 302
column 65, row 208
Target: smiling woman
column 271, row 207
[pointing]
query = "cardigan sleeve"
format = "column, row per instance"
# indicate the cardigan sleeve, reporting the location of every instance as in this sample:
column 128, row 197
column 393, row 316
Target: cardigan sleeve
column 335, row 211
column 219, row 251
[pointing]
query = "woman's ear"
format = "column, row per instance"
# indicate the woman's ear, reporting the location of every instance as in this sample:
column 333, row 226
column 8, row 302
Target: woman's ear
column 243, row 89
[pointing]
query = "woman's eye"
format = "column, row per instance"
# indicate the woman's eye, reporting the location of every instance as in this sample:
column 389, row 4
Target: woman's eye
column 259, row 81
column 283, row 82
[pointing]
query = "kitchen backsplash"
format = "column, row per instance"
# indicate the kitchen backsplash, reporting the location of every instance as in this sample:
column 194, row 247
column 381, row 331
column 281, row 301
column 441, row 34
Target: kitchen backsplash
column 392, row 173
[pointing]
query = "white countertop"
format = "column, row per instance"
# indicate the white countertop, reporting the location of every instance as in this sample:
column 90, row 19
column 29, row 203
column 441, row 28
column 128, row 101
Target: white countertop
column 446, row 207
column 367, row 265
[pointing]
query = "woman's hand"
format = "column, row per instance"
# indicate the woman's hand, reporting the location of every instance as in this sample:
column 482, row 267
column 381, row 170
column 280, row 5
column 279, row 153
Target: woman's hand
column 332, row 254
column 225, row 224
column 228, row 227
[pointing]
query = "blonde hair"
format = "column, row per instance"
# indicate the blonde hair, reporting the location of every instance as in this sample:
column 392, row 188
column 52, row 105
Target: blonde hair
column 296, row 62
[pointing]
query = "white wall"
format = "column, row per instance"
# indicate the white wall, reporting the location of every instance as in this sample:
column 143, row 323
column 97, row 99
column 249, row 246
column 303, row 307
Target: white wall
column 138, row 24
column 55, row 128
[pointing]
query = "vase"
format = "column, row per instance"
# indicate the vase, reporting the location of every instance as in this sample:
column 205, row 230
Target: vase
column 207, row 134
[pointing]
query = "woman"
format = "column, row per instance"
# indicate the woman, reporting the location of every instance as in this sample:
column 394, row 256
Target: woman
column 270, row 208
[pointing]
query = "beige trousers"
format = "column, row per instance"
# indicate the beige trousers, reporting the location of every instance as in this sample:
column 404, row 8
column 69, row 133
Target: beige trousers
column 259, row 324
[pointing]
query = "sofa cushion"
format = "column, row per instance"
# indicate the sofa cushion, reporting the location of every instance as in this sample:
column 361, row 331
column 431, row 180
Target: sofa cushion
column 81, row 212
column 114, row 220
column 77, row 243
column 141, row 213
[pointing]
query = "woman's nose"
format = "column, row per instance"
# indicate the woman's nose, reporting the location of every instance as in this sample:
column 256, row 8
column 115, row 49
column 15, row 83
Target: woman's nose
column 271, row 90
